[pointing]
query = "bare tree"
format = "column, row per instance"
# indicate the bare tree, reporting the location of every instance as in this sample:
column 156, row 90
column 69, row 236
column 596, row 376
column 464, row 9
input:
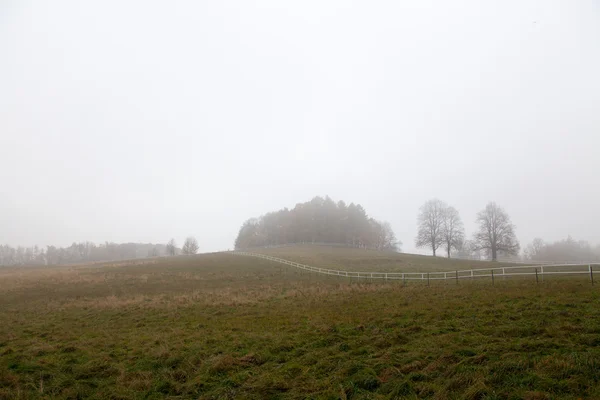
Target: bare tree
column 171, row 247
column 465, row 251
column 190, row 246
column 496, row 232
column 430, row 220
column 453, row 231
column 534, row 249
column 384, row 237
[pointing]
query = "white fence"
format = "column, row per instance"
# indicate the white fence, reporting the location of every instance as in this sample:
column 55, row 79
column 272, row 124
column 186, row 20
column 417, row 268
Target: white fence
column 539, row 271
column 503, row 259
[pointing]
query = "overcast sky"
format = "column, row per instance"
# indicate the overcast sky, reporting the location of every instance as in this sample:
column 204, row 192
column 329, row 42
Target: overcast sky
column 138, row 121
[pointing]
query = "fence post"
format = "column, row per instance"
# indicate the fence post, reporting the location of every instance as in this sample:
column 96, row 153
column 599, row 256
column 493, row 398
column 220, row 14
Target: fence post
column 492, row 277
column 536, row 276
column 591, row 274
column 428, row 279
column 542, row 271
column 403, row 279
column 457, row 277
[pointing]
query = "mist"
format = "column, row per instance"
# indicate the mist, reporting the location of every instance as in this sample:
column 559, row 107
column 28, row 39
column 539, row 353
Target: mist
column 138, row 122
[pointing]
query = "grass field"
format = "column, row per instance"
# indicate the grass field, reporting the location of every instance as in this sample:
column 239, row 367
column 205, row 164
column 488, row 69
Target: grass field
column 223, row 326
column 350, row 259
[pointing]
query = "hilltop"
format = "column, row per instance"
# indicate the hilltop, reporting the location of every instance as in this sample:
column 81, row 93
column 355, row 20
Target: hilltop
column 355, row 259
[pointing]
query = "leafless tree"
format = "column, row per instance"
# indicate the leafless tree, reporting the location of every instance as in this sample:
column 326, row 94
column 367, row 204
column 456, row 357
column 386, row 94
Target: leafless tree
column 496, row 232
column 465, row 251
column 430, row 220
column 534, row 249
column 171, row 247
column 453, row 231
column 384, row 237
column 190, row 246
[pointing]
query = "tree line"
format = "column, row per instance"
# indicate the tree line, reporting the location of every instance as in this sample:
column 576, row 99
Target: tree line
column 440, row 225
column 90, row 252
column 563, row 251
column 320, row 220
column 77, row 252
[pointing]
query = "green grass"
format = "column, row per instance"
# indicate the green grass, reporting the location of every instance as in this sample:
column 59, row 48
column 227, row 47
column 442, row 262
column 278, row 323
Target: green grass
column 222, row 326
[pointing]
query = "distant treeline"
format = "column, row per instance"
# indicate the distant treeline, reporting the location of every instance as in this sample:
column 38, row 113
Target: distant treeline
column 320, row 220
column 567, row 250
column 78, row 252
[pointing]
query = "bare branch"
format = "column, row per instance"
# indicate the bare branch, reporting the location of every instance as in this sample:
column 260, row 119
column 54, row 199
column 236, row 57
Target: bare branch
column 190, row 246
column 430, row 220
column 496, row 232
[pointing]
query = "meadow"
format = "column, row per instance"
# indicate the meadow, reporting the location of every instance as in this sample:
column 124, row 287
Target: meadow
column 220, row 326
column 352, row 259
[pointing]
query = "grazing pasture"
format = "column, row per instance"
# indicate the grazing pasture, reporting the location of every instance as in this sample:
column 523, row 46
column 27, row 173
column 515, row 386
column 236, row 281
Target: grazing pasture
column 219, row 326
column 351, row 259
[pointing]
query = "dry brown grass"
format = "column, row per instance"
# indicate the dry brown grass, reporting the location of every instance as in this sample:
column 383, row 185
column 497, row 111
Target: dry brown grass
column 227, row 296
column 151, row 285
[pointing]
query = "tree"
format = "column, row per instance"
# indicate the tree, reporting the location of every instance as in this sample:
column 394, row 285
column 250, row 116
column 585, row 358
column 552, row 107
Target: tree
column 430, row 220
column 383, row 236
column 453, row 232
column 153, row 252
column 496, row 232
column 248, row 234
column 171, row 247
column 190, row 246
column 465, row 251
column 534, row 250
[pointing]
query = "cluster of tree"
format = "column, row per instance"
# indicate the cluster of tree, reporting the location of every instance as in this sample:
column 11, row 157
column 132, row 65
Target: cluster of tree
column 320, row 220
column 78, row 252
column 440, row 225
column 567, row 250
column 190, row 247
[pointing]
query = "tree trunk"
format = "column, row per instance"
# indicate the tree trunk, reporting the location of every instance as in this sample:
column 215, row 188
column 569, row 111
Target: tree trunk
column 433, row 248
column 494, row 253
column 448, row 251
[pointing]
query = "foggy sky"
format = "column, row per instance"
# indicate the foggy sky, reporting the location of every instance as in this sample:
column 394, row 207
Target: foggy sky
column 144, row 120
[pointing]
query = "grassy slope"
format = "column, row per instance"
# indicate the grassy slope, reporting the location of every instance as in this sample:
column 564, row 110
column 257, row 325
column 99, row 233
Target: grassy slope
column 223, row 326
column 349, row 259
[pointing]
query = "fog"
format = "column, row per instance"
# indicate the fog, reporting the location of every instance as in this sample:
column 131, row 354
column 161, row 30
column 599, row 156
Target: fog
column 142, row 121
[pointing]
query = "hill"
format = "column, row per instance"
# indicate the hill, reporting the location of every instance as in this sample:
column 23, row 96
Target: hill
column 224, row 326
column 353, row 259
